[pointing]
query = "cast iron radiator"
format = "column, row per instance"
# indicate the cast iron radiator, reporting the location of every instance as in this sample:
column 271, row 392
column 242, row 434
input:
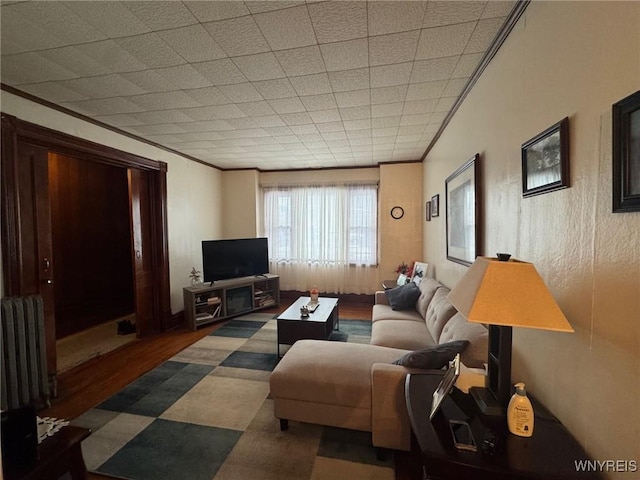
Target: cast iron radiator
column 23, row 356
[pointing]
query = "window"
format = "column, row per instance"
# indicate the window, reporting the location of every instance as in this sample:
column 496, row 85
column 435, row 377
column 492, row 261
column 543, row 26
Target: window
column 326, row 225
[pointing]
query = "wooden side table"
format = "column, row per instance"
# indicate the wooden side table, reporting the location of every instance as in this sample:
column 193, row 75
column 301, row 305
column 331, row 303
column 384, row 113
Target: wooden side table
column 57, row 455
column 550, row 453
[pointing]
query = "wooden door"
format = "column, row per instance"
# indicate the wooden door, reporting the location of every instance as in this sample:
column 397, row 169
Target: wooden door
column 142, row 251
column 28, row 248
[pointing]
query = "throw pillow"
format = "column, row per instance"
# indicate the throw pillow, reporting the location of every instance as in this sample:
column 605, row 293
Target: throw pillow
column 403, row 297
column 435, row 357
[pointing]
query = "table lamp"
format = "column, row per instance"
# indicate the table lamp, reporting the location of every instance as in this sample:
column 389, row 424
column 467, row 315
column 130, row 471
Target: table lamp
column 502, row 294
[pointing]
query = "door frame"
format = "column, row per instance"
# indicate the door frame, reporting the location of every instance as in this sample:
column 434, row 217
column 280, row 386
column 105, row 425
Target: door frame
column 16, row 132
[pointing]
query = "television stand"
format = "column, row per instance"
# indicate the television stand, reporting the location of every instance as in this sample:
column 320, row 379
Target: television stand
column 222, row 299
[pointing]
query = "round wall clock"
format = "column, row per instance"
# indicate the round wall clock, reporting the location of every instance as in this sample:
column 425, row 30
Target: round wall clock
column 397, row 212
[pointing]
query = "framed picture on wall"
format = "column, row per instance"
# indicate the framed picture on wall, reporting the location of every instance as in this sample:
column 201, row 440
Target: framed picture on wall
column 462, row 194
column 545, row 160
column 626, row 154
column 427, row 210
column 435, row 205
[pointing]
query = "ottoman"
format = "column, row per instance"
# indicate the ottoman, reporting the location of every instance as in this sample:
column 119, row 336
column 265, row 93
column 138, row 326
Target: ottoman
column 347, row 385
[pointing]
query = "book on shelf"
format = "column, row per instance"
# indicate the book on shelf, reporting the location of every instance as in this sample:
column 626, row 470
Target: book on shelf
column 213, row 300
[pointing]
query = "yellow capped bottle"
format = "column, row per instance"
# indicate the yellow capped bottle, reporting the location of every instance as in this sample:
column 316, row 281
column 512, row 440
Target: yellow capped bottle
column 520, row 413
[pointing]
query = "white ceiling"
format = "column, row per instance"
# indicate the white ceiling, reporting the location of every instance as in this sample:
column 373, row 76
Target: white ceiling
column 259, row 84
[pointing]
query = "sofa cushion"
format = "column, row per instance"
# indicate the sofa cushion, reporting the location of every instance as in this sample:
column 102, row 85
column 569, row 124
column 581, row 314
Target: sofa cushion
column 405, row 334
column 437, row 356
column 458, row 328
column 439, row 312
column 403, row 297
column 428, row 287
column 384, row 313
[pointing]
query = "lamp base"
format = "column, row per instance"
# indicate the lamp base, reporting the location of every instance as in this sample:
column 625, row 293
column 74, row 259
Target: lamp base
column 486, row 402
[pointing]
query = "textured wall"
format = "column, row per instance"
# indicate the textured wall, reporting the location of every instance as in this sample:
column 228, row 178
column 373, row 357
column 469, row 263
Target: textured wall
column 562, row 59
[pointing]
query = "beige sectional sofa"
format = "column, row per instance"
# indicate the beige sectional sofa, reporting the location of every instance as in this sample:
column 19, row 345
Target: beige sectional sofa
column 358, row 386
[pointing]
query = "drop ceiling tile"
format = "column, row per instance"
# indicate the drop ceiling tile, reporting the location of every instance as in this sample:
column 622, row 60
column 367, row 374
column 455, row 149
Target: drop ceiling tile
column 339, row 146
column 455, row 86
column 304, row 129
column 279, row 88
column 184, row 77
column 296, row 118
column 115, row 58
column 288, row 28
column 360, row 144
column 387, row 110
column 220, row 72
column 310, row 138
column 445, row 104
column 241, row 92
column 390, row 75
column 393, row 48
column 411, row 129
column 355, row 113
column 58, row 21
column 242, row 123
column 31, row 68
column 53, row 91
column 311, row 84
column 169, row 140
column 337, row 135
column 260, row 6
column 393, row 17
column 346, row 55
column 103, row 86
column 364, row 123
column 149, row 49
column 425, row 90
column 498, row 9
column 208, row 96
column 113, row 19
column 467, row 65
column 319, row 102
column 238, row 36
column 348, row 80
column 223, row 112
column 288, row 139
column 193, row 43
column 218, row 10
column 74, row 60
column 20, row 35
column 267, row 120
column 396, row 93
column 257, row 108
column 149, row 81
column 262, row 66
column 204, row 124
column 338, row 21
column 387, row 133
column 275, row 131
column 155, row 129
column 287, row 105
column 385, row 122
column 483, row 35
column 355, row 98
column 108, row 106
column 301, row 61
column 162, row 15
column 415, row 120
column 437, row 117
column 325, row 116
column 163, row 100
column 335, row 126
column 449, row 13
column 433, row 70
column 420, row 106
column 445, row 41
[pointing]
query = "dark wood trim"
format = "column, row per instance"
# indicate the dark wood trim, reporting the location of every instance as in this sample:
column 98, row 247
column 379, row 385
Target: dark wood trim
column 11, row 245
column 515, row 14
column 66, row 111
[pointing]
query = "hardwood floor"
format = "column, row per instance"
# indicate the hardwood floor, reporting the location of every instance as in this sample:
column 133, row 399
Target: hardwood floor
column 87, row 385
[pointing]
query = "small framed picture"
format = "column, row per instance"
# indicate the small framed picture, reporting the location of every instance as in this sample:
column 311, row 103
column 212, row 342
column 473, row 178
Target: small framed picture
column 435, row 207
column 427, row 210
column 545, row 160
column 626, row 154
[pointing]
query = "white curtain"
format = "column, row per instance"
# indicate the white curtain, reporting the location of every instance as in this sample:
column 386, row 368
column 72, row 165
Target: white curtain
column 323, row 236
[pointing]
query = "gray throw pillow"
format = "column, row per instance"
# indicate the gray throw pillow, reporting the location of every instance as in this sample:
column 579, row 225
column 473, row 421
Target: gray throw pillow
column 434, row 357
column 403, row 297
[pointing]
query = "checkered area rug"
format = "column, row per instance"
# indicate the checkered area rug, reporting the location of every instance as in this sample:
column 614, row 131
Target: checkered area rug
column 205, row 414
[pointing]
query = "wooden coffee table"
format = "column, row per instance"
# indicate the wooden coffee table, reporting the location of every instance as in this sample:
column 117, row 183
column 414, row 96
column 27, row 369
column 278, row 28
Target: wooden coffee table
column 317, row 326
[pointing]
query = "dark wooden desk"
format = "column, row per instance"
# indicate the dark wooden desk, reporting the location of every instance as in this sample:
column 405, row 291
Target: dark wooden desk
column 550, row 453
column 57, row 455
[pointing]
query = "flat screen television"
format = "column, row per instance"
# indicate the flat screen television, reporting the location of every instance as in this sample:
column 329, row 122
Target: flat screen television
column 241, row 257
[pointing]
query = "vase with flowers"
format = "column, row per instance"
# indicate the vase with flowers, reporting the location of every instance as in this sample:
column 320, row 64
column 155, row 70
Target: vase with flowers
column 404, row 272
